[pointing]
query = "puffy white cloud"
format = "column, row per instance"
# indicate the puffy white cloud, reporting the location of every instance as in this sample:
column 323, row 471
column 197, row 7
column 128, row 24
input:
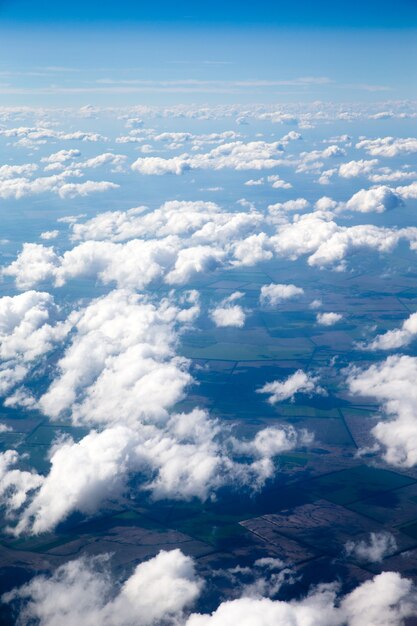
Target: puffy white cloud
column 35, row 264
column 407, row 192
column 228, row 313
column 229, row 316
column 107, row 158
column 397, row 338
column 28, row 330
column 374, row 550
column 15, row 484
column 57, row 159
column 299, row 382
column 376, row 199
column 392, row 383
column 236, row 155
column 328, row 244
column 49, row 234
column 386, row 174
column 82, row 592
column 37, row 134
column 181, row 457
column 185, row 456
column 62, row 156
column 202, row 221
column 271, row 441
column 278, row 182
column 300, row 204
column 8, row 171
column 352, row 169
column 71, row 190
column 275, row 293
column 388, row 146
column 386, row 600
column 180, row 239
column 164, row 589
column 121, row 363
column 120, row 372
column 328, row 319
column 20, row 187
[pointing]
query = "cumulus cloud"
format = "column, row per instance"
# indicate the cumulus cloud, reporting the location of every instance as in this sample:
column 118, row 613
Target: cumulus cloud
column 121, row 363
column 49, row 234
column 165, row 588
column 82, row 592
column 228, row 313
column 120, row 373
column 8, row 171
column 386, row 600
column 237, row 155
column 36, row 134
column 299, row 382
column 180, row 239
column 17, row 188
column 327, row 244
column 374, row 550
column 15, row 484
column 352, row 169
column 28, row 330
column 182, row 457
column 392, row 383
column 398, row 338
column 376, row 199
column 388, row 146
column 300, row 204
column 328, row 319
column 275, row 293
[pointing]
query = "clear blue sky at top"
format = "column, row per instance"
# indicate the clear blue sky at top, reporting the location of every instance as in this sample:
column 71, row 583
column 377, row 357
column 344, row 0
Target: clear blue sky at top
column 119, row 52
column 317, row 13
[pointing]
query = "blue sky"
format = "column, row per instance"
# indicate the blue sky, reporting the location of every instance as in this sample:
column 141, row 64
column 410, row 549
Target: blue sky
column 119, row 53
column 320, row 13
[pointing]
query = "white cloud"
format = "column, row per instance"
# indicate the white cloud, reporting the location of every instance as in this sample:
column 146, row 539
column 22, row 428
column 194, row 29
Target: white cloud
column 275, row 293
column 376, row 199
column 228, row 313
column 72, row 190
column 299, row 382
column 164, row 589
column 229, row 316
column 180, row 239
column 17, row 188
column 121, row 363
column 15, row 484
column 386, row 600
column 120, row 372
column 47, row 235
column 255, row 155
column 392, row 383
column 278, row 182
column 82, row 592
column 300, row 204
column 352, row 169
column 388, row 146
column 328, row 319
column 374, row 550
column 28, row 330
column 8, row 171
column 397, row 338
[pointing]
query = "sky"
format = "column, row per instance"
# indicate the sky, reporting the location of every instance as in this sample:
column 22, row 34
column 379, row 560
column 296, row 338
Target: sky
column 125, row 52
